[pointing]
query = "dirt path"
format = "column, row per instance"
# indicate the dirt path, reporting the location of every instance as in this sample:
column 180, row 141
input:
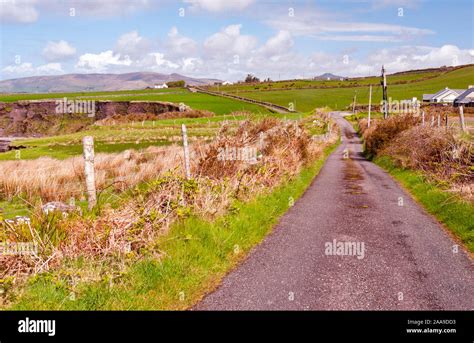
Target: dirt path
column 408, row 260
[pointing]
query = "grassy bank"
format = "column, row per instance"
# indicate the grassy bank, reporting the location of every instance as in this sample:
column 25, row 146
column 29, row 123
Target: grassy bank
column 449, row 209
column 196, row 254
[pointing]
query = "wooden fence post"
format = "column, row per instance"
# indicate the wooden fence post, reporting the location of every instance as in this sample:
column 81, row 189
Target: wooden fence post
column 88, row 145
column 354, row 104
column 370, row 105
column 439, row 120
column 461, row 119
column 422, row 118
column 186, row 151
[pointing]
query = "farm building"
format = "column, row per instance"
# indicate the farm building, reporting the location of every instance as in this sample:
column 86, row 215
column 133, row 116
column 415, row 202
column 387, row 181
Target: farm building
column 164, row 85
column 445, row 96
column 466, row 98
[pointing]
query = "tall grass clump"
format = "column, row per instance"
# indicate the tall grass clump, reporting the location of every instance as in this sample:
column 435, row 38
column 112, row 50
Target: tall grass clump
column 442, row 155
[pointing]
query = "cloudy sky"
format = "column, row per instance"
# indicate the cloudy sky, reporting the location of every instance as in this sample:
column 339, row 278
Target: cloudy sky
column 227, row 39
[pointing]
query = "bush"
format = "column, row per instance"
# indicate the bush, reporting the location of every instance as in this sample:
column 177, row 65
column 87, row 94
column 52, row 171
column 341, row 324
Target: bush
column 176, row 84
column 384, row 131
column 441, row 155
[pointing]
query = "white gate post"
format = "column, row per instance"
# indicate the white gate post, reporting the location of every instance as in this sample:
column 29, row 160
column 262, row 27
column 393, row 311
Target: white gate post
column 461, row 119
column 186, row 151
column 88, row 145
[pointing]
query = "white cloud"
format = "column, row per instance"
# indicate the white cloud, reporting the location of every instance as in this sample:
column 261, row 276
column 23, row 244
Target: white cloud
column 180, row 45
column 159, row 61
column 219, row 5
column 28, row 11
column 50, row 68
column 132, row 44
column 418, row 57
column 107, row 7
column 278, row 44
column 229, row 41
column 361, row 38
column 20, row 69
column 323, row 27
column 191, row 64
column 101, row 62
column 57, row 51
column 18, row 11
column 27, row 69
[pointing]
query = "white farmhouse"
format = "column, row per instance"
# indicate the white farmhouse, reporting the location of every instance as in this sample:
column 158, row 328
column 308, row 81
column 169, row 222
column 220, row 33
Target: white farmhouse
column 226, row 83
column 444, row 96
column 164, row 85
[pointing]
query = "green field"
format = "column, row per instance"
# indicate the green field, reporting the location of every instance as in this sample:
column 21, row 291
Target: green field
column 352, row 82
column 340, row 98
column 10, row 97
column 134, row 135
column 196, row 101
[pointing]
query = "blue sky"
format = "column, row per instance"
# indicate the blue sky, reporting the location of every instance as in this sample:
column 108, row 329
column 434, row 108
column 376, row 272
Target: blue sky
column 227, row 39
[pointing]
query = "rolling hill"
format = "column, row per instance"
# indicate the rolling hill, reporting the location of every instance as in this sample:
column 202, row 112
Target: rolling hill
column 93, row 82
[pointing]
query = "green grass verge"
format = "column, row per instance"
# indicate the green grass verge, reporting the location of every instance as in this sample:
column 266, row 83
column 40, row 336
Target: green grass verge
column 198, row 254
column 449, row 209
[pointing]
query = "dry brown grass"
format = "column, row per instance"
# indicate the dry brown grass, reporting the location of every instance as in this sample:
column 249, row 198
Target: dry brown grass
column 381, row 132
column 441, row 154
column 132, row 228
column 55, row 180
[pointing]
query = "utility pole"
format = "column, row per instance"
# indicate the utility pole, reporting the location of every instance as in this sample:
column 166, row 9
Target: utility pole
column 384, row 89
column 370, row 105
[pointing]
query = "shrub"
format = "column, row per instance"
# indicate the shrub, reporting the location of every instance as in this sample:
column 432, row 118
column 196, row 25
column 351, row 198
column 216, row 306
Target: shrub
column 384, row 131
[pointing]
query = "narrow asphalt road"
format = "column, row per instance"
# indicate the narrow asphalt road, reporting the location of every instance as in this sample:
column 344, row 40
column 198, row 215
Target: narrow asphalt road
column 408, row 261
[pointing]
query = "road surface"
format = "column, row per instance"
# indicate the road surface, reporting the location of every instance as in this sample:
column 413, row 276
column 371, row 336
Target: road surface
column 407, row 261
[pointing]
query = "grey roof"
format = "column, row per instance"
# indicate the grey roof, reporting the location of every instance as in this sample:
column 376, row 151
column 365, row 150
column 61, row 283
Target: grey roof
column 440, row 92
column 457, row 91
column 427, row 96
column 462, row 98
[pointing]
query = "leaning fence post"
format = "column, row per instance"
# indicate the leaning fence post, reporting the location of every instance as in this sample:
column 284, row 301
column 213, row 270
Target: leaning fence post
column 422, row 118
column 88, row 144
column 186, row 151
column 461, row 119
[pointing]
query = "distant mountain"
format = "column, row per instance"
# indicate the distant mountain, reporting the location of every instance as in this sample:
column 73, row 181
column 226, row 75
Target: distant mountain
column 328, row 77
column 94, row 82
